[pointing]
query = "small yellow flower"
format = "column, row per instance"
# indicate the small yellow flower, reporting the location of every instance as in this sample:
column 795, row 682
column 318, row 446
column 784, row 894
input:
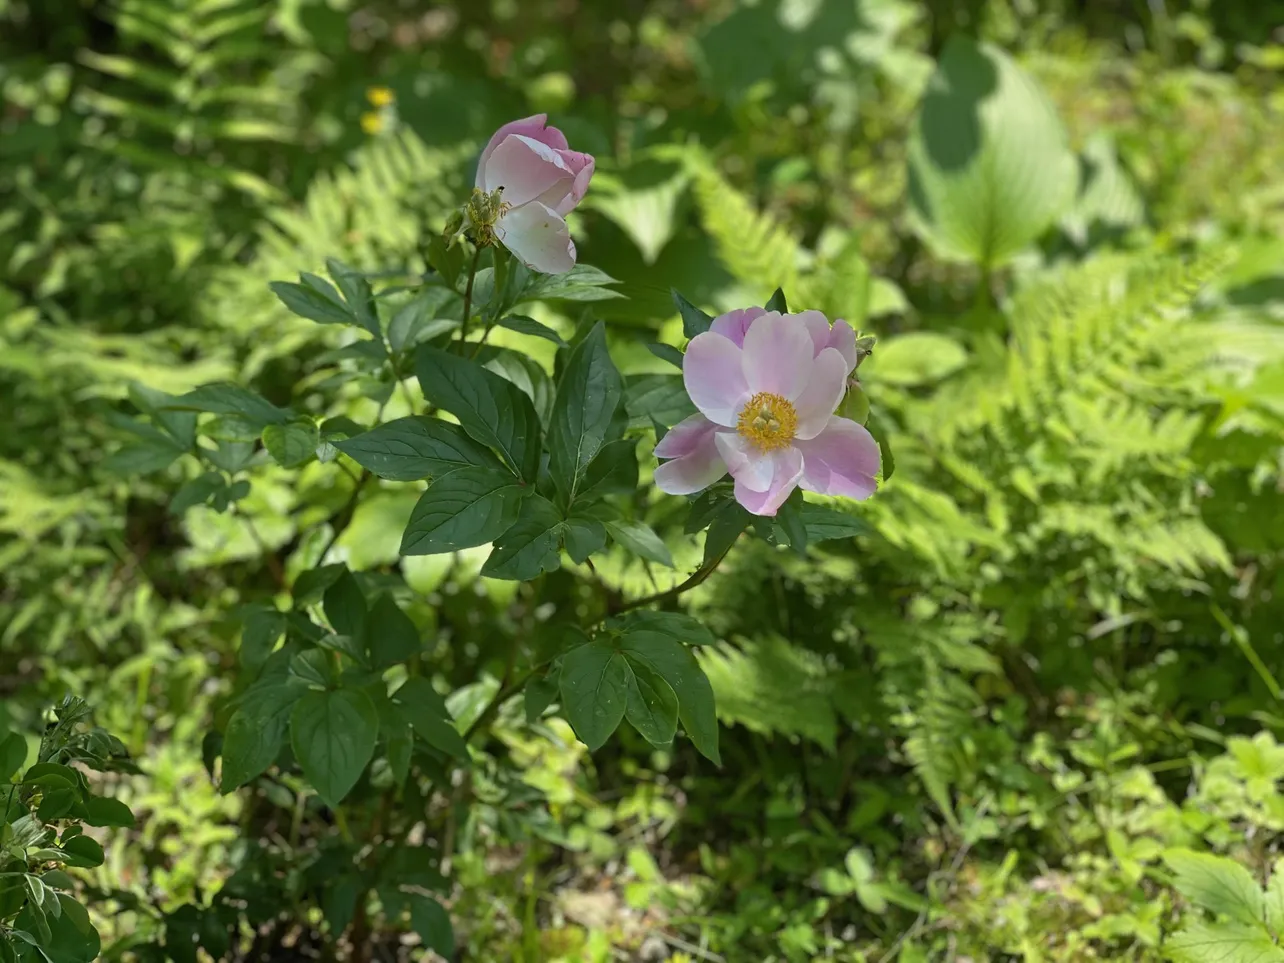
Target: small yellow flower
column 380, row 96
column 371, row 123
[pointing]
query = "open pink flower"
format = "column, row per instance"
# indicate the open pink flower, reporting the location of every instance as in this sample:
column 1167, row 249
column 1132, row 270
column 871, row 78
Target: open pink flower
column 543, row 181
column 766, row 386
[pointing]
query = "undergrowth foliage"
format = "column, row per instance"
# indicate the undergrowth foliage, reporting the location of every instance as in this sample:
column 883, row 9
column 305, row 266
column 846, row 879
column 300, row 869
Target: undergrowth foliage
column 347, row 531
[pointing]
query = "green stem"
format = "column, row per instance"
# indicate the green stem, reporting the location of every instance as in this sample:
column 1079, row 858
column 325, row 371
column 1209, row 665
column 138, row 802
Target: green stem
column 700, row 575
column 468, row 294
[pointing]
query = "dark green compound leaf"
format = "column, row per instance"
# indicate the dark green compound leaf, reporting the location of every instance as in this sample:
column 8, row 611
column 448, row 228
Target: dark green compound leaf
column 432, row 923
column 103, row 811
column 530, row 547
column 333, row 735
column 231, row 399
column 13, row 755
column 790, row 520
column 345, row 606
column 83, row 851
column 257, row 729
column 539, row 695
column 694, row 321
column 777, row 302
column 492, row 410
column 311, row 302
column 594, row 686
column 358, row 295
column 613, row 472
column 583, row 535
column 583, row 411
column 673, row 662
column 524, row 325
column 419, row 704
column 293, row 443
column 640, row 539
column 652, row 707
column 409, row 449
column 667, row 352
column 464, row 509
column 391, row 635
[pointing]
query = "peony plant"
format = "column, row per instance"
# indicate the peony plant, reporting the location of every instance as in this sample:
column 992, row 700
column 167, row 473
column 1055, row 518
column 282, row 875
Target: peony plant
column 339, row 687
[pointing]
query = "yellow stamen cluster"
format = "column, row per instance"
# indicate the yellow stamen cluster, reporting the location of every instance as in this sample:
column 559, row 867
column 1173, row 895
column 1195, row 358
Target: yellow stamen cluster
column 769, row 421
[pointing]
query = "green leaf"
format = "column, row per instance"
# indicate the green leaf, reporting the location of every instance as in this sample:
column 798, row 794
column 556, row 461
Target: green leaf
column 614, row 471
column 57, row 803
column 417, row 320
column 345, row 606
column 694, row 321
column 198, row 491
column 419, row 704
column 670, row 625
column 333, row 735
column 432, row 923
column 777, row 302
column 409, row 449
column 1223, row 943
column 581, row 283
column 1217, row 884
column 530, row 547
column 357, row 293
column 642, row 643
column 293, row 443
column 308, row 302
column 261, row 629
column 257, row 729
column 640, row 539
column 879, row 430
column 52, row 775
column 916, row 359
column 524, row 372
column 464, row 509
column 790, row 521
column 230, row 399
column 144, row 457
column 594, row 686
column 583, row 535
column 524, row 325
column 539, row 695
column 824, row 523
column 391, row 636
column 83, row 851
column 311, row 585
column 667, row 352
column 339, row 902
column 313, row 667
column 13, row 755
column 643, row 202
column 659, row 398
column 1274, row 901
column 583, row 411
column 729, row 521
column 103, row 811
column 652, row 707
column 492, row 410
column 989, row 167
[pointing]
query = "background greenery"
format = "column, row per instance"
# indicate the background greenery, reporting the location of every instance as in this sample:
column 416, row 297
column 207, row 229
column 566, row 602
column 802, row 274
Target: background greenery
column 1009, row 722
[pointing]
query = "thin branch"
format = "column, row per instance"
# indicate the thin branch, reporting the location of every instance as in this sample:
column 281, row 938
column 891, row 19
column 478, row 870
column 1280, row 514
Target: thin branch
column 700, row 575
column 468, row 294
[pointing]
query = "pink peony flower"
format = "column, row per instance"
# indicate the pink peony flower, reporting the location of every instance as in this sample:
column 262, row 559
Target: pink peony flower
column 767, row 385
column 542, row 182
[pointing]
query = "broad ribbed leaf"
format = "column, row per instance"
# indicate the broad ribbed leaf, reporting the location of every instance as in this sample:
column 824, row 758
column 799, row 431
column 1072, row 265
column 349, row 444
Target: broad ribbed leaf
column 463, row 509
column 492, row 410
column 989, row 167
column 595, row 686
column 333, row 735
column 583, row 411
column 529, row 547
column 409, row 449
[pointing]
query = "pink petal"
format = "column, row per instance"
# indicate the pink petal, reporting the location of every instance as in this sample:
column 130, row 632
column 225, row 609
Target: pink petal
column 538, row 238
column 695, row 470
column 685, row 437
column 826, row 385
column 841, row 460
column 526, row 169
column 842, row 337
column 788, row 465
column 532, row 127
column 566, row 200
column 749, row 465
column 714, row 377
column 777, row 356
column 734, row 324
column 817, row 326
